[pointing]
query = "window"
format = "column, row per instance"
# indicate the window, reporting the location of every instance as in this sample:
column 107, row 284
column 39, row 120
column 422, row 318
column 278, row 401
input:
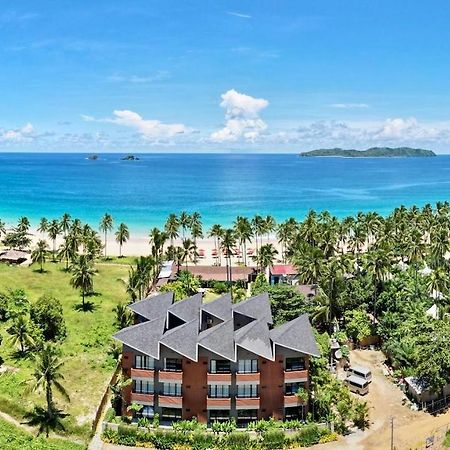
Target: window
column 247, row 390
column 173, row 389
column 173, row 365
column 248, row 366
column 219, row 390
column 294, row 412
column 219, row 415
column 295, row 364
column 171, row 413
column 220, row 366
column 292, row 388
column 247, row 414
column 147, row 411
column 144, row 362
column 143, row 387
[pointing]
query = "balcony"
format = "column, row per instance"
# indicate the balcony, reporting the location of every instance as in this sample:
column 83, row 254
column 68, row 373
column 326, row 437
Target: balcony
column 142, row 398
column 292, row 400
column 166, row 376
column 219, row 378
column 295, row 376
column 247, row 403
column 142, row 373
column 170, row 401
column 247, row 378
column 218, row 403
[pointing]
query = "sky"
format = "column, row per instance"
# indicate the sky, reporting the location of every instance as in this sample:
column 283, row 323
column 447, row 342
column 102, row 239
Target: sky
column 223, row 76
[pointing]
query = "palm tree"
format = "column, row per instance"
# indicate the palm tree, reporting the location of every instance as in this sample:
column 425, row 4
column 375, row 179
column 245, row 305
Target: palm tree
column 20, row 332
column 23, row 225
column 47, row 376
column 82, row 276
column 65, row 223
column 142, row 277
column 185, row 221
column 53, row 231
column 124, row 316
column 285, row 235
column 106, row 224
column 244, row 234
column 269, row 226
column 171, row 227
column 227, row 244
column 265, row 257
column 216, row 232
column 68, row 249
column 39, row 254
column 122, row 236
column 258, row 228
column 188, row 251
column 2, row 228
column 157, row 240
column 43, row 225
column 196, row 231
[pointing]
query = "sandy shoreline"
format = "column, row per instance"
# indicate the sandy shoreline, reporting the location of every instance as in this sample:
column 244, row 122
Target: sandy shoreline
column 138, row 245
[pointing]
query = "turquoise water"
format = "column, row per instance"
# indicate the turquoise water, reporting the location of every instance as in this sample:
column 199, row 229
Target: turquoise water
column 220, row 186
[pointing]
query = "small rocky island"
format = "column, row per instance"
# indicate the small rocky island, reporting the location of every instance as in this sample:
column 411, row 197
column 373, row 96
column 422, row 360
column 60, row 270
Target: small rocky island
column 130, row 158
column 93, row 157
column 374, row 152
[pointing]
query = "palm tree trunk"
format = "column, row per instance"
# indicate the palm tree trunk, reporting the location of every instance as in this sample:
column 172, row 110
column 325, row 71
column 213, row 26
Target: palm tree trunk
column 105, row 244
column 82, row 296
column 120, row 250
column 245, row 253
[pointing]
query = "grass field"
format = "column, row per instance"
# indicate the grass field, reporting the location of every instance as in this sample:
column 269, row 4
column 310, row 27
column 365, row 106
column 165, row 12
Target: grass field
column 13, row 438
column 88, row 367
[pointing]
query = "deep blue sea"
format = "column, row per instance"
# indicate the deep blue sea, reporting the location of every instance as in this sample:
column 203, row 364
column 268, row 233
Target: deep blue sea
column 220, row 186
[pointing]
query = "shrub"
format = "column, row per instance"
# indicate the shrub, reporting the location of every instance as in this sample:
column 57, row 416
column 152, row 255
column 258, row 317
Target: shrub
column 310, row 434
column 127, row 435
column 110, row 436
column 110, row 415
column 235, row 441
column 329, row 437
column 47, row 314
column 219, row 287
column 273, row 440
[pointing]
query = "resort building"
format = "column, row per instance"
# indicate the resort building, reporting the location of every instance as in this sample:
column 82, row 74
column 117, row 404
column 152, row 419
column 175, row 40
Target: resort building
column 215, row 360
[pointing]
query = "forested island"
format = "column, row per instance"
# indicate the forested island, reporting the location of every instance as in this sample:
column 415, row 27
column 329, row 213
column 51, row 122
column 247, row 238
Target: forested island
column 374, row 152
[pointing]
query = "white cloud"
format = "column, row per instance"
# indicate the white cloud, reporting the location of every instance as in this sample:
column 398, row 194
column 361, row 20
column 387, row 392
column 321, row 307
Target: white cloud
column 17, row 135
column 151, row 130
column 238, row 14
column 349, row 105
column 242, row 117
column 160, row 75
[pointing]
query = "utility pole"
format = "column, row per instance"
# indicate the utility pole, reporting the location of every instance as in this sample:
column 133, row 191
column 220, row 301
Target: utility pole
column 392, row 433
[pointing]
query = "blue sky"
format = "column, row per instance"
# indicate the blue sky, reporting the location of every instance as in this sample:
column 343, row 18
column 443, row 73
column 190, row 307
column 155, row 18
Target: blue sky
column 278, row 76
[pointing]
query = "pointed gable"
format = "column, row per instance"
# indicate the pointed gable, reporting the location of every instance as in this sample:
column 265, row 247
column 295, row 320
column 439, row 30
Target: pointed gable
column 154, row 306
column 187, row 309
column 257, row 307
column 220, row 307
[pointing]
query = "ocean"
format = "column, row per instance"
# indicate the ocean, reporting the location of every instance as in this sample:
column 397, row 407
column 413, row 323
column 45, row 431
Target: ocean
column 220, row 186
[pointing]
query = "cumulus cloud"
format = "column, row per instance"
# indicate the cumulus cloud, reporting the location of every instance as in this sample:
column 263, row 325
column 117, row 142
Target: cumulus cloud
column 242, row 115
column 25, row 133
column 151, row 130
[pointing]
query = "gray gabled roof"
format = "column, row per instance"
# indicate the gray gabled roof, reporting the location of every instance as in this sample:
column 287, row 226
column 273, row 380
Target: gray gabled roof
column 255, row 338
column 153, row 307
column 187, row 309
column 183, row 339
column 257, row 307
column 220, row 307
column 219, row 340
column 144, row 336
column 296, row 335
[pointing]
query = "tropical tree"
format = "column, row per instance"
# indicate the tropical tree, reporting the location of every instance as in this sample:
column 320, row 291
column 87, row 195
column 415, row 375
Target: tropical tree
column 124, row 316
column 68, row 250
column 2, row 228
column 47, row 377
column 122, row 236
column 228, row 242
column 244, row 234
column 269, row 226
column 157, row 240
column 106, row 225
column 185, row 221
column 216, row 232
column 53, row 231
column 258, row 225
column 196, row 231
column 172, row 227
column 266, row 256
column 188, row 251
column 82, row 276
column 43, row 225
column 21, row 333
column 39, row 254
column 65, row 223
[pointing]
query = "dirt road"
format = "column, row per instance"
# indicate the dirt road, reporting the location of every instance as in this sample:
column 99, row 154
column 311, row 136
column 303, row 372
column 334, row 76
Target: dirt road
column 411, row 428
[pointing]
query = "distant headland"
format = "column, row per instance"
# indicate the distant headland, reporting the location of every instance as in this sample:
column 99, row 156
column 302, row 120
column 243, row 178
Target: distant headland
column 374, row 152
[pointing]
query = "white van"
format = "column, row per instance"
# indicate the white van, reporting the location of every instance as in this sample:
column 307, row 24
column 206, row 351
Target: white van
column 357, row 385
column 361, row 372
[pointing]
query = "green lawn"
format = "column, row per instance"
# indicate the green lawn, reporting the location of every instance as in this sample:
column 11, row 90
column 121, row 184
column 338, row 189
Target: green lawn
column 88, row 367
column 13, row 438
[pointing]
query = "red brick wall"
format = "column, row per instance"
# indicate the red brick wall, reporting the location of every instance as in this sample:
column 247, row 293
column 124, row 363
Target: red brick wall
column 195, row 389
column 127, row 363
column 271, row 387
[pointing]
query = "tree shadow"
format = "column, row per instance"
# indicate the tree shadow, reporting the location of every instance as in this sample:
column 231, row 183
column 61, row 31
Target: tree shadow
column 41, row 271
column 94, row 294
column 87, row 307
column 18, row 355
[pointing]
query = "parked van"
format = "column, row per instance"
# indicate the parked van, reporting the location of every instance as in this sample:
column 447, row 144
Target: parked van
column 361, row 372
column 357, row 385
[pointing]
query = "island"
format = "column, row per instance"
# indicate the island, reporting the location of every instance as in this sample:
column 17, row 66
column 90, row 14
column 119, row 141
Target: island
column 374, row 152
column 92, row 157
column 130, row 158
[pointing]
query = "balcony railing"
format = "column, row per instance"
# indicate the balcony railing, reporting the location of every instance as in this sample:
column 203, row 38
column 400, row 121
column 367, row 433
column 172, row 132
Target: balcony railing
column 170, row 401
column 140, row 398
column 168, row 376
column 291, row 376
column 242, row 378
column 218, row 403
column 142, row 373
column 222, row 378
